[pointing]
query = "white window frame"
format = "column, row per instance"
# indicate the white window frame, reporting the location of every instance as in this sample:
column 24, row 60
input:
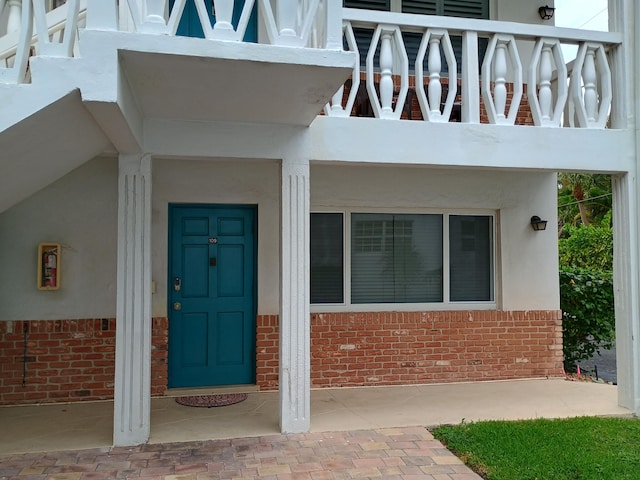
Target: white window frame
column 446, row 304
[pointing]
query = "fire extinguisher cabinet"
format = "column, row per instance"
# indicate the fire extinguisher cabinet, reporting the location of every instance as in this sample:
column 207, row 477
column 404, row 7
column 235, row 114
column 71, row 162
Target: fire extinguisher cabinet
column 49, row 266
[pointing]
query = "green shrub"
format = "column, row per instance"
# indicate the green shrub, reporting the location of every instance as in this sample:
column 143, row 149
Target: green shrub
column 587, row 247
column 588, row 322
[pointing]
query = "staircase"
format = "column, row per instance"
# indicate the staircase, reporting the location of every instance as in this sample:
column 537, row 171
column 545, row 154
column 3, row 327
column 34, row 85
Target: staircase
column 81, row 79
column 45, row 130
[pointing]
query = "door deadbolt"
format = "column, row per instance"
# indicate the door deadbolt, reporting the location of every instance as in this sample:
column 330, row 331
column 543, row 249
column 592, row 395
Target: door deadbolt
column 177, row 306
column 177, row 284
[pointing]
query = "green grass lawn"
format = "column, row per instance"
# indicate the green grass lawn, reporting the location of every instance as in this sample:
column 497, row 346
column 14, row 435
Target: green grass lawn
column 573, row 449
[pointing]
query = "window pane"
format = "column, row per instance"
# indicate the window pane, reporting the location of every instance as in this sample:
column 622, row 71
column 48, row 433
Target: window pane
column 470, row 258
column 396, row 258
column 327, row 280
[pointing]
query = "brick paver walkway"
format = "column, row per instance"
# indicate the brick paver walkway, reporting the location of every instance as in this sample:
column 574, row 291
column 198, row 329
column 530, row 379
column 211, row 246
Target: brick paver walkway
column 397, row 453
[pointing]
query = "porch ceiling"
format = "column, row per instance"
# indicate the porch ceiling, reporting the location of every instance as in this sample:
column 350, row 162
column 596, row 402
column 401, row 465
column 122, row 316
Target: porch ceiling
column 280, row 85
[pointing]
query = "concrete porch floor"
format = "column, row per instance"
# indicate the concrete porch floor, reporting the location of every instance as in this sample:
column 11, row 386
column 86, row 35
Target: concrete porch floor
column 41, row 428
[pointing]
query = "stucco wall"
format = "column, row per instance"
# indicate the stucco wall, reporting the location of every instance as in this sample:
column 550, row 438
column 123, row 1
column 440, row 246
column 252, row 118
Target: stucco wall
column 527, row 261
column 80, row 213
column 228, row 182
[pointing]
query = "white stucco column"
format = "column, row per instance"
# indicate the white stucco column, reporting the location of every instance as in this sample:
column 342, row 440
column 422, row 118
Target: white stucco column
column 627, row 308
column 295, row 370
column 132, row 389
column 624, row 17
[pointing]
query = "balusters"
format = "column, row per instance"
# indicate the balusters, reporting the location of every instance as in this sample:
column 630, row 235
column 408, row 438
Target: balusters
column 501, row 52
column 590, row 87
column 335, row 108
column 223, row 10
column 336, row 102
column 14, row 15
column 287, row 12
column 500, row 79
column 435, row 67
column 293, row 21
column 60, row 45
column 386, row 79
column 155, row 11
column 390, row 39
column 15, row 72
column 546, row 58
column 438, row 43
column 545, row 95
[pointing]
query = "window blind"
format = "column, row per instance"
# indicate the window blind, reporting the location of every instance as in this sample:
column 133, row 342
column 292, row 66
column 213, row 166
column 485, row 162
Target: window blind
column 396, row 258
column 326, row 258
column 470, row 258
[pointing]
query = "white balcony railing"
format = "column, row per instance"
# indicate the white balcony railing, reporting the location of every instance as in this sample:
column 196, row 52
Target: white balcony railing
column 303, row 23
column 442, row 81
column 489, row 93
column 54, row 35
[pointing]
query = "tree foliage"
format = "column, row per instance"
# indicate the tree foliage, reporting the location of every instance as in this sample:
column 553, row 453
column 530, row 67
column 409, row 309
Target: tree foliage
column 588, row 323
column 583, row 199
column 587, row 247
column 586, row 264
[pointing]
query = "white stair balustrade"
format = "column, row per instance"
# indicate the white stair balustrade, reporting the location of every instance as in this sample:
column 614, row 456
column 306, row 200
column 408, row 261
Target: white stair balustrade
column 390, row 39
column 223, row 10
column 502, row 52
column 293, row 22
column 14, row 60
column 148, row 15
column 102, row 16
column 60, row 42
column 223, row 28
column 14, row 15
column 436, row 41
column 591, row 86
column 318, row 34
column 546, row 59
column 335, row 107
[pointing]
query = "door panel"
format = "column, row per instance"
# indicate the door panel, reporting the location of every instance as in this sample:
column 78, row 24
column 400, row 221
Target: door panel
column 212, row 295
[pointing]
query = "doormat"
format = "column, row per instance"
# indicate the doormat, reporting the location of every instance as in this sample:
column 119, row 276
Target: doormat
column 209, row 401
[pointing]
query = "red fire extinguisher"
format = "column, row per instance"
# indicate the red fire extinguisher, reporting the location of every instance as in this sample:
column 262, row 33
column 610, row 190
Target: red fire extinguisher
column 50, row 262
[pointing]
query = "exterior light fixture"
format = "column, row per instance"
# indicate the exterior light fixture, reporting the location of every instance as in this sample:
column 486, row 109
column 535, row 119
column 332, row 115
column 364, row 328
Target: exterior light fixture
column 538, row 224
column 546, row 12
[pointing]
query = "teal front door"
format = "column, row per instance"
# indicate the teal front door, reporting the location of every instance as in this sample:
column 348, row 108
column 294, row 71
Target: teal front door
column 212, row 308
column 190, row 26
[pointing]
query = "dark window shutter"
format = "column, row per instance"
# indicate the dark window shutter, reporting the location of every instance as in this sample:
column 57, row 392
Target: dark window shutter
column 368, row 4
column 465, row 8
column 451, row 8
column 424, row 7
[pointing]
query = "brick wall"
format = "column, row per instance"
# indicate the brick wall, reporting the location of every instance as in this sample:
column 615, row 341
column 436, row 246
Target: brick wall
column 68, row 360
column 393, row 348
column 73, row 360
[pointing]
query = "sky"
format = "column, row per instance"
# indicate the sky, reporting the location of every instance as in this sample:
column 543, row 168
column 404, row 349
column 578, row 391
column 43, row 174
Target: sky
column 585, row 14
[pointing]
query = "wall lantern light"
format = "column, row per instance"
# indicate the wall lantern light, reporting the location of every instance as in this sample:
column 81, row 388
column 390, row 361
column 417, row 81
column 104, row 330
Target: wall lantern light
column 546, row 12
column 538, row 224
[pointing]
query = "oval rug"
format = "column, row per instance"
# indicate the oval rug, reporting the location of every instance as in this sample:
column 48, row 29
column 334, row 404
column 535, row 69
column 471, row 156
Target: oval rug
column 209, row 401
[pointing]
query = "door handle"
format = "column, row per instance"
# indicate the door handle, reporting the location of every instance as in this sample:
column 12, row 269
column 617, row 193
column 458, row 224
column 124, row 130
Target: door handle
column 177, row 306
column 177, row 284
